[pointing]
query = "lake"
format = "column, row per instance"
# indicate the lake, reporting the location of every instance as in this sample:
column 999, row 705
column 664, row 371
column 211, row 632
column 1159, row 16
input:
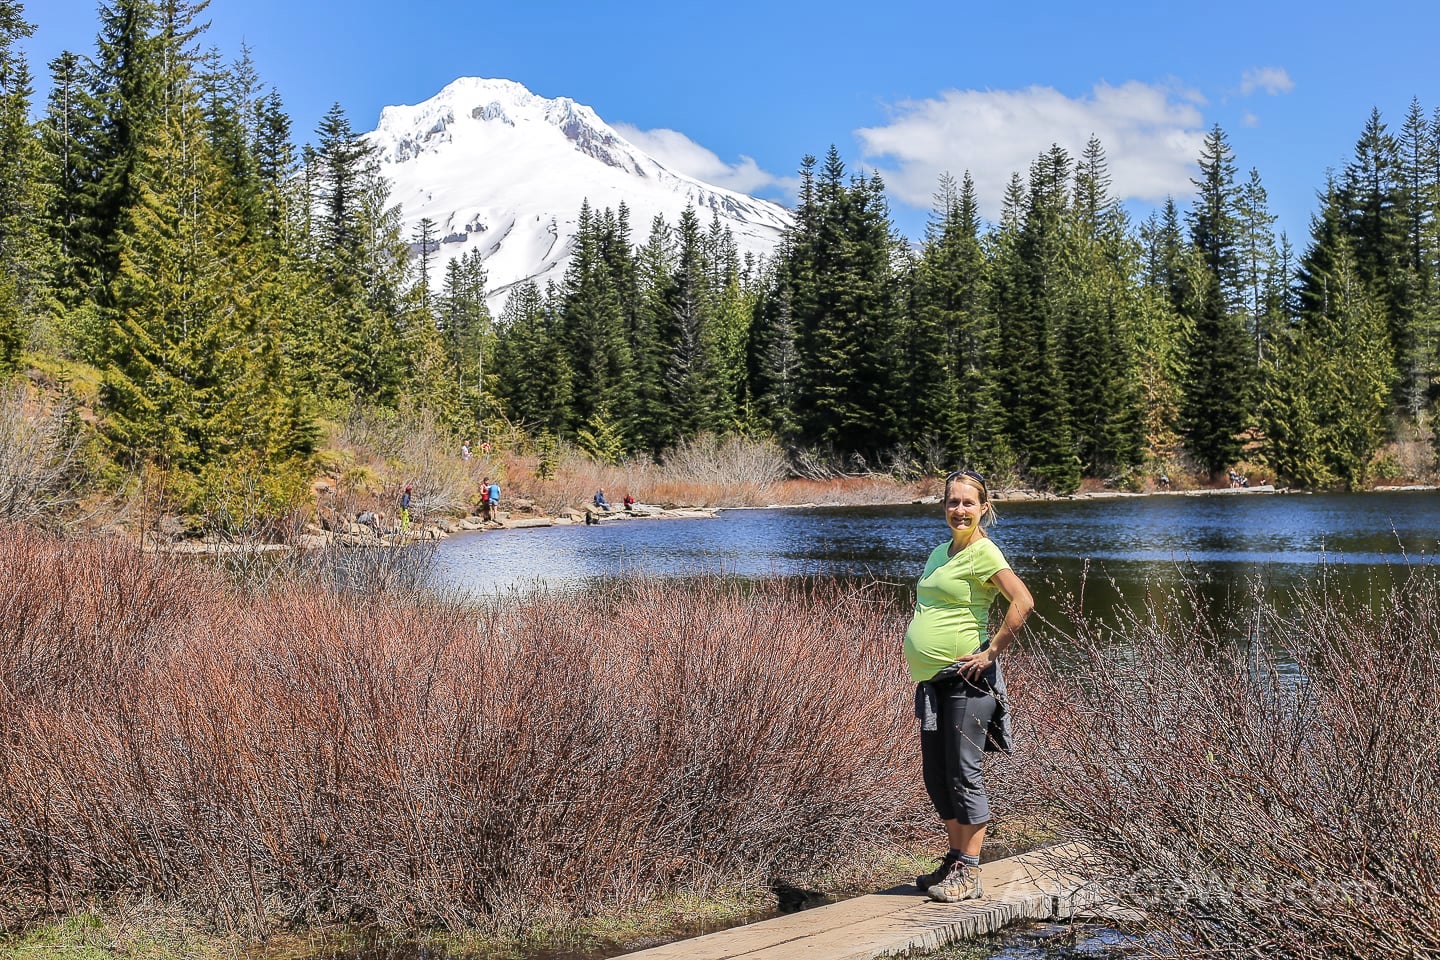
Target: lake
column 1225, row 544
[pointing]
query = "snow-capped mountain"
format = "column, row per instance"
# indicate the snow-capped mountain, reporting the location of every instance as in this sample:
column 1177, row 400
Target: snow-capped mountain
column 504, row 171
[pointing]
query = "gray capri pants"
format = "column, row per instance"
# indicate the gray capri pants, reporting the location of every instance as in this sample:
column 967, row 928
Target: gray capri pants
column 950, row 756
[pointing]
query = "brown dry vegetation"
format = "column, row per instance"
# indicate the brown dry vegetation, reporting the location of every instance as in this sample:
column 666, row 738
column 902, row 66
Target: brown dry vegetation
column 1277, row 799
column 370, row 459
column 315, row 756
column 302, row 755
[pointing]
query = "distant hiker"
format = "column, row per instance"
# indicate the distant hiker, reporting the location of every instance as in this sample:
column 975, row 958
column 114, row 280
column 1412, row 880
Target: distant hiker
column 492, row 498
column 1165, row 480
column 600, row 500
column 465, row 450
column 405, row 511
column 485, row 499
column 629, row 503
column 960, row 694
column 369, row 519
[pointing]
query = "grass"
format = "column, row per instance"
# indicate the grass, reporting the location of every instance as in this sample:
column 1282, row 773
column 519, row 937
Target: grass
column 124, row 931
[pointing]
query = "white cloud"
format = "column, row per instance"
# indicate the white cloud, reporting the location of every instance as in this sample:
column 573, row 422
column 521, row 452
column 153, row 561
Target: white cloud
column 1273, row 80
column 1151, row 135
column 680, row 153
column 1250, row 119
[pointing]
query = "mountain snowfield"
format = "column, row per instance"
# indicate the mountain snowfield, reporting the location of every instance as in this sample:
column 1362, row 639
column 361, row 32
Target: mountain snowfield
column 504, row 171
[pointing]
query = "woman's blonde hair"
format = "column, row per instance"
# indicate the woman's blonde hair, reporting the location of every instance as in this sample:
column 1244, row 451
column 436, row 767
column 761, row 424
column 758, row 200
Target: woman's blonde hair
column 978, row 482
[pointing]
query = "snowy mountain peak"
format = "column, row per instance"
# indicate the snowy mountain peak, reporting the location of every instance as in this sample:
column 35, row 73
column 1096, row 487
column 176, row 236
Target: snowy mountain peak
column 504, row 171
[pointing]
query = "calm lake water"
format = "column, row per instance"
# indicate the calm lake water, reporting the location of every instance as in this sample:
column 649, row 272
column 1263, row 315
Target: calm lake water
column 1226, row 545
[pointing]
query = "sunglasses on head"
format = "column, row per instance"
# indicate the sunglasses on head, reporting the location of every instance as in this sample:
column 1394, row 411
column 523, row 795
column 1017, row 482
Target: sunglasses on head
column 967, row 474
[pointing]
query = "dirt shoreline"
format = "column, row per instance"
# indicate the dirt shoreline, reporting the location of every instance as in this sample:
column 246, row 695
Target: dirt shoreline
column 361, row 537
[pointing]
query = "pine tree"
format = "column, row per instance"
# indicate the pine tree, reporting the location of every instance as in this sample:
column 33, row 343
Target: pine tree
column 1419, row 188
column 1326, row 405
column 533, row 373
column 1215, row 220
column 1030, row 293
column 732, row 311
column 424, row 244
column 691, row 374
column 63, row 133
column 195, row 382
column 594, row 325
column 464, row 324
column 1374, row 219
column 1257, row 257
column 126, row 104
column 845, row 300
column 356, row 342
column 1217, row 373
column 654, row 268
column 1219, row 369
column 1159, row 337
column 774, row 356
column 1099, row 318
column 24, row 270
column 951, row 338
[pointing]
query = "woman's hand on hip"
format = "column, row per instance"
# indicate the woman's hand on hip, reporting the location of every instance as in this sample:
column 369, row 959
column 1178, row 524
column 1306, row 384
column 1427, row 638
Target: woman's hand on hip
column 978, row 662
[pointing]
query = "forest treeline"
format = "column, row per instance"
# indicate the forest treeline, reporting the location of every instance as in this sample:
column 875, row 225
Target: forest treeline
column 163, row 237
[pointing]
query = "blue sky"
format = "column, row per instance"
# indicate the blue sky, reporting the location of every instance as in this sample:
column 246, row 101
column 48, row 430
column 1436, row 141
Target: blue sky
column 737, row 93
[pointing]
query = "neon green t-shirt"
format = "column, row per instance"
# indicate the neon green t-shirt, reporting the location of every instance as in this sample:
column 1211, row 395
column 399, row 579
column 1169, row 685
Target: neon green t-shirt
column 952, row 606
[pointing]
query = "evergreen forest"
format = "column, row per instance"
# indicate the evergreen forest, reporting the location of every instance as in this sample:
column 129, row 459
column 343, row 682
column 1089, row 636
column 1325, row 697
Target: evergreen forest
column 209, row 294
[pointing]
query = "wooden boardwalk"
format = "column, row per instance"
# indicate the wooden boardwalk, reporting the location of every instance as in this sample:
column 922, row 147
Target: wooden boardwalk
column 896, row 922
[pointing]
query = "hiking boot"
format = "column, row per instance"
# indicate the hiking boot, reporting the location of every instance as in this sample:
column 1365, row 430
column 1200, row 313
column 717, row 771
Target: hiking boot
column 927, row 880
column 961, row 883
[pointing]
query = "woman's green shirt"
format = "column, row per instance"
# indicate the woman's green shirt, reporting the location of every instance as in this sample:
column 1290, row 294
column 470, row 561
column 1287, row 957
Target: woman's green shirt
column 952, row 606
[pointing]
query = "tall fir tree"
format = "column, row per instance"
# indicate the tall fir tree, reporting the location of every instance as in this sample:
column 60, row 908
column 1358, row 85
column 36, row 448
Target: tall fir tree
column 24, row 244
column 951, row 390
column 1327, row 401
column 355, row 346
column 1214, row 218
column 126, row 103
column 1219, row 348
column 646, row 323
column 1031, row 276
column 594, row 326
column 1099, row 317
column 533, row 372
column 196, row 381
column 465, row 328
column 692, row 368
column 1257, row 253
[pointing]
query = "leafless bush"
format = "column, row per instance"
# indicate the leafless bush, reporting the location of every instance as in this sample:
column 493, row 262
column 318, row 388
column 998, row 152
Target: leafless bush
column 813, row 464
column 311, row 754
column 732, row 461
column 1276, row 797
column 40, row 472
column 421, row 452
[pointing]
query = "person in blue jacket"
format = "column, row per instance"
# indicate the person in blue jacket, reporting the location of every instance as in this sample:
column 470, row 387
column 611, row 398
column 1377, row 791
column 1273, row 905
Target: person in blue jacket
column 492, row 498
column 956, row 665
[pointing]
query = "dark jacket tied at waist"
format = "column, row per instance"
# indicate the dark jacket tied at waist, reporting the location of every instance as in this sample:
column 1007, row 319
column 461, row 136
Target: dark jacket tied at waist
column 927, row 702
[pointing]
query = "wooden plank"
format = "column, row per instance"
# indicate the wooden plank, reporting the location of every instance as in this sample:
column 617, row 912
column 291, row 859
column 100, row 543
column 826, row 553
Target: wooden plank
column 1027, row 887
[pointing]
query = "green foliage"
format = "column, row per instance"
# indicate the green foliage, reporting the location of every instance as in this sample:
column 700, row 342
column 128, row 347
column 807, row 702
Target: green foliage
column 1327, row 394
column 12, row 327
column 547, row 452
column 1217, row 372
column 602, row 439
